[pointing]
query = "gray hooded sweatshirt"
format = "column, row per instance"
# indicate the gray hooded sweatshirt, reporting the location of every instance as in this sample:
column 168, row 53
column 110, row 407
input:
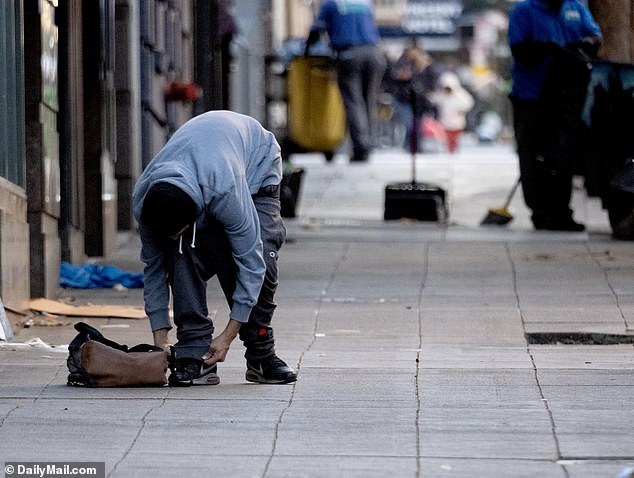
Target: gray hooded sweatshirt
column 219, row 159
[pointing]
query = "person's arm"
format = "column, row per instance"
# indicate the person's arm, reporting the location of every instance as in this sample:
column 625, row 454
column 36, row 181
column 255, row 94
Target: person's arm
column 155, row 288
column 588, row 45
column 533, row 52
column 235, row 210
column 525, row 48
column 319, row 26
column 313, row 37
column 592, row 38
column 161, row 339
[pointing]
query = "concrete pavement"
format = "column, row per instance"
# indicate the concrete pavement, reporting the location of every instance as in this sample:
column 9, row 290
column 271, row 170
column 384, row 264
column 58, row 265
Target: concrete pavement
column 410, row 340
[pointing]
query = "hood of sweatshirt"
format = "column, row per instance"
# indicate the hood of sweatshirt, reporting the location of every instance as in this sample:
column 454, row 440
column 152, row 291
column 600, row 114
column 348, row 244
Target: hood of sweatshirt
column 210, row 155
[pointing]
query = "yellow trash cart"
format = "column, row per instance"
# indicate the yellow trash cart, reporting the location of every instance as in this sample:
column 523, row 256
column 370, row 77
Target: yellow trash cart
column 316, row 118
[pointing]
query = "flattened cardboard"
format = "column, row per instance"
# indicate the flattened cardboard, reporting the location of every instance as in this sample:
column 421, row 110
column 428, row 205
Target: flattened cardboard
column 105, row 311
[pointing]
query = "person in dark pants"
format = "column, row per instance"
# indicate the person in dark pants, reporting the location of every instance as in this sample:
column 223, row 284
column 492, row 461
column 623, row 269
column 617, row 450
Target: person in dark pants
column 551, row 41
column 208, row 204
column 354, row 37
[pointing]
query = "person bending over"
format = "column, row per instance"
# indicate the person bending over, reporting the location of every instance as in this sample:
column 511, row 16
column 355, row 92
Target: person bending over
column 208, row 204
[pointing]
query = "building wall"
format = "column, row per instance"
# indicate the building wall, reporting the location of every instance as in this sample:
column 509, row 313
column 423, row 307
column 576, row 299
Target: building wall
column 42, row 145
column 12, row 165
column 128, row 97
column 99, row 127
column 179, row 54
column 212, row 42
column 70, row 135
column 167, row 55
column 59, row 145
column 14, row 246
column 14, row 229
column 71, row 91
column 249, row 49
column 616, row 19
column 299, row 17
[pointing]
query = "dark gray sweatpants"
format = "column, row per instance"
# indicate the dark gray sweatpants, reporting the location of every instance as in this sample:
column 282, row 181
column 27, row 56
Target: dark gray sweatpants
column 189, row 272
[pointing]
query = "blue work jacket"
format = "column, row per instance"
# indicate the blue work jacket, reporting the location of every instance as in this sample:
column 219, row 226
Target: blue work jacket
column 533, row 20
column 349, row 23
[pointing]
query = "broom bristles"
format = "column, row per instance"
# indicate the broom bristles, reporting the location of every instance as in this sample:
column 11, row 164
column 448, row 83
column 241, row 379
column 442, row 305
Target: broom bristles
column 498, row 217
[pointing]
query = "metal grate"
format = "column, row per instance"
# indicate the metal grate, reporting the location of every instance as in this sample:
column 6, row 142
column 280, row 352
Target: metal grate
column 579, row 338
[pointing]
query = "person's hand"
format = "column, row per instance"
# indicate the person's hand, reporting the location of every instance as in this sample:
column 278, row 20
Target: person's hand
column 220, row 345
column 587, row 46
column 217, row 350
column 161, row 339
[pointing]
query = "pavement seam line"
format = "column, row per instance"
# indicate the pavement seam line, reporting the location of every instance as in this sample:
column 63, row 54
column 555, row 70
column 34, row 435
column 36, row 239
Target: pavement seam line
column 418, row 357
column 138, row 435
column 59, row 368
column 315, row 200
column 617, row 300
column 518, row 305
column 3, row 419
column 331, row 279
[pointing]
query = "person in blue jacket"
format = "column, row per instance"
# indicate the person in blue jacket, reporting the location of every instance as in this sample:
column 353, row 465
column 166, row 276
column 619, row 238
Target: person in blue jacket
column 208, row 204
column 551, row 42
column 354, row 37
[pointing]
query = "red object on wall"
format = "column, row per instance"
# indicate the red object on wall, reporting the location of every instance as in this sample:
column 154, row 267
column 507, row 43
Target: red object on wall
column 185, row 92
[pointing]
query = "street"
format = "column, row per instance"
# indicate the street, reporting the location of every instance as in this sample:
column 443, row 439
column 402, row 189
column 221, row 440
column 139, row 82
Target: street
column 422, row 350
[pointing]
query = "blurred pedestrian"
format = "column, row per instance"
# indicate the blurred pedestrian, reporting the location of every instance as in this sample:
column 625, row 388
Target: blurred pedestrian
column 453, row 102
column 354, row 37
column 550, row 41
column 410, row 80
column 207, row 204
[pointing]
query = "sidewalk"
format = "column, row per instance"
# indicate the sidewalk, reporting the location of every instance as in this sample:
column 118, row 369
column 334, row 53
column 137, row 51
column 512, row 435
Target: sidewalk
column 410, row 340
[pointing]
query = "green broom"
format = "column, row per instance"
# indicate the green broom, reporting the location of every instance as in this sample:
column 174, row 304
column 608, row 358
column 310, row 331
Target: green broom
column 501, row 216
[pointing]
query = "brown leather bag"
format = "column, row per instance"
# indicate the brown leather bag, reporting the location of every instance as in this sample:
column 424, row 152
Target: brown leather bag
column 109, row 367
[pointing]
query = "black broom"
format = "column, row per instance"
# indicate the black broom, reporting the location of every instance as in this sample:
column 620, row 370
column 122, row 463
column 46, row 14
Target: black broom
column 501, row 216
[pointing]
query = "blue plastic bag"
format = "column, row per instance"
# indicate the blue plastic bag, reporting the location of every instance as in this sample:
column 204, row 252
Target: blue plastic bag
column 93, row 276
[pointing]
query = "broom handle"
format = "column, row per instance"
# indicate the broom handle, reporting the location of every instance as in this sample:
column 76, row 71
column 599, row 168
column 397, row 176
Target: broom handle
column 512, row 193
column 413, row 139
column 413, row 168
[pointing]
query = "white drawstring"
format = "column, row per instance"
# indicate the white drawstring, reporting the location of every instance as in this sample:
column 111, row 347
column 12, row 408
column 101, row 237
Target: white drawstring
column 192, row 245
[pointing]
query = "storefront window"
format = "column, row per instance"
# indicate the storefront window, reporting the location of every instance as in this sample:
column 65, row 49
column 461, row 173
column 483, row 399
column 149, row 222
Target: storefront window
column 12, row 164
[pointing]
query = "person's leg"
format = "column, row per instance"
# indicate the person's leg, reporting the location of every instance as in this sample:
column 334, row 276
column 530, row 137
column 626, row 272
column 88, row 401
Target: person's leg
column 187, row 273
column 215, row 248
column 404, row 114
column 557, row 167
column 350, row 81
column 561, row 156
column 257, row 333
column 373, row 72
column 263, row 365
column 187, row 276
column 533, row 176
column 453, row 136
